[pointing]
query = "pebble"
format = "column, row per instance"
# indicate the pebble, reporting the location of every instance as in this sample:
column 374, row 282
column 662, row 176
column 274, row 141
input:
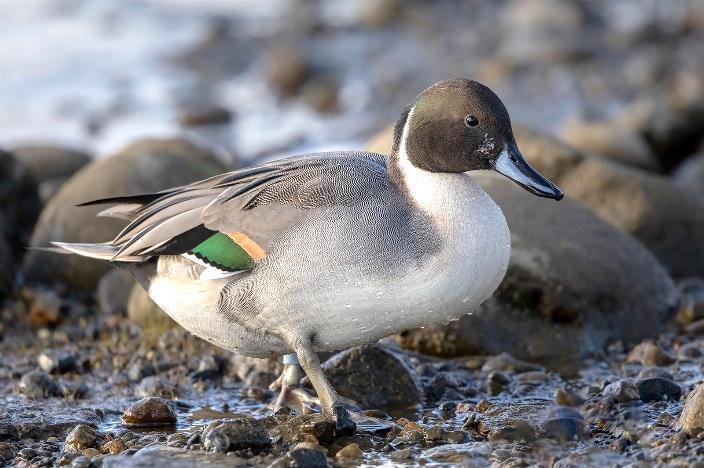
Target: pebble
column 56, row 361
column 148, row 412
column 562, row 424
column 91, row 452
column 649, row 354
column 691, row 420
column 80, row 438
column 303, row 458
column 114, row 446
column 38, row 385
column 654, row 372
column 622, row 391
column 657, row 388
column 350, row 451
column 235, row 434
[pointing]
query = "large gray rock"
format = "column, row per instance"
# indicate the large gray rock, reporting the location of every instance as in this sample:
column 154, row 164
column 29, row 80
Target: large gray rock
column 573, row 283
column 146, row 166
column 668, row 219
column 20, row 202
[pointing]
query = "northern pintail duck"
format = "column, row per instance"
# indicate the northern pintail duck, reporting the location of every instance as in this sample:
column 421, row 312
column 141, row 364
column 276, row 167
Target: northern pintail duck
column 325, row 251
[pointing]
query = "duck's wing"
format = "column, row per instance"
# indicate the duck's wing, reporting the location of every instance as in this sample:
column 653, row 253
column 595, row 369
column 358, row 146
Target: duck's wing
column 231, row 220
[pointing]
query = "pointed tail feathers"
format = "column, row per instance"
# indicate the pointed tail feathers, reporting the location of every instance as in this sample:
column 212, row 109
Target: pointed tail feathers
column 104, row 251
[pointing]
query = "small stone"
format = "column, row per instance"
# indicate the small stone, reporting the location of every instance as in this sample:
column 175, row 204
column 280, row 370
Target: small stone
column 562, row 424
column 507, row 363
column 483, row 405
column 56, row 360
column 350, row 451
column 91, row 452
column 623, row 391
column 649, row 354
column 306, row 426
column 235, row 434
column 80, row 438
column 401, row 455
column 139, row 370
column 565, row 397
column 38, row 385
column 149, row 412
column 114, row 446
column 302, row 458
column 654, row 372
column 657, row 388
column 692, row 418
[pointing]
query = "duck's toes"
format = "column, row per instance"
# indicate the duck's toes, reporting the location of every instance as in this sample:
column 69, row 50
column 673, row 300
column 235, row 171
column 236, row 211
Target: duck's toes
column 344, row 426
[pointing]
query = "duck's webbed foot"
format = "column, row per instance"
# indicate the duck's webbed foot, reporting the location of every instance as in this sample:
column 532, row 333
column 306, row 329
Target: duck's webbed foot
column 290, row 393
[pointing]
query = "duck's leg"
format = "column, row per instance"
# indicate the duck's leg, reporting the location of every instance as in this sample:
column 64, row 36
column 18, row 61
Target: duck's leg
column 329, row 401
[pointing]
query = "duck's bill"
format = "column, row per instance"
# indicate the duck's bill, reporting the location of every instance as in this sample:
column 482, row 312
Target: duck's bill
column 511, row 164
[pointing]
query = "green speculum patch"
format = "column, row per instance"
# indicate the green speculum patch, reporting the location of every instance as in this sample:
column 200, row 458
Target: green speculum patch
column 222, row 252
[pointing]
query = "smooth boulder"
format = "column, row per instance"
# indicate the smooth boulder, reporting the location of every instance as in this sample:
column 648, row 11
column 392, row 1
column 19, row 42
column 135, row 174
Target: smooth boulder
column 375, row 377
column 665, row 217
column 574, row 283
column 145, row 166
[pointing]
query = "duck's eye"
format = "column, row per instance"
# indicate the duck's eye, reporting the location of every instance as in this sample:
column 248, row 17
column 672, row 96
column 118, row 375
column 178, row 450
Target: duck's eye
column 471, row 121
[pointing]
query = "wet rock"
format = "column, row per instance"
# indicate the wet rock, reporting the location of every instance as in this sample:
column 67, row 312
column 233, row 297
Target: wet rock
column 46, row 163
column 691, row 420
column 690, row 174
column 568, row 290
column 113, row 291
column 146, row 166
column 56, row 361
column 235, row 434
column 649, row 354
column 286, row 70
column 156, row 386
column 349, row 452
column 691, row 306
column 114, row 446
column 511, row 420
column 562, row 424
column 145, row 313
column 302, row 457
column 657, row 388
column 38, row 385
column 173, row 457
column 80, row 438
column 374, row 377
column 20, row 206
column 149, row 412
column 507, row 363
column 197, row 114
column 609, row 141
column 302, row 428
column 622, row 391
